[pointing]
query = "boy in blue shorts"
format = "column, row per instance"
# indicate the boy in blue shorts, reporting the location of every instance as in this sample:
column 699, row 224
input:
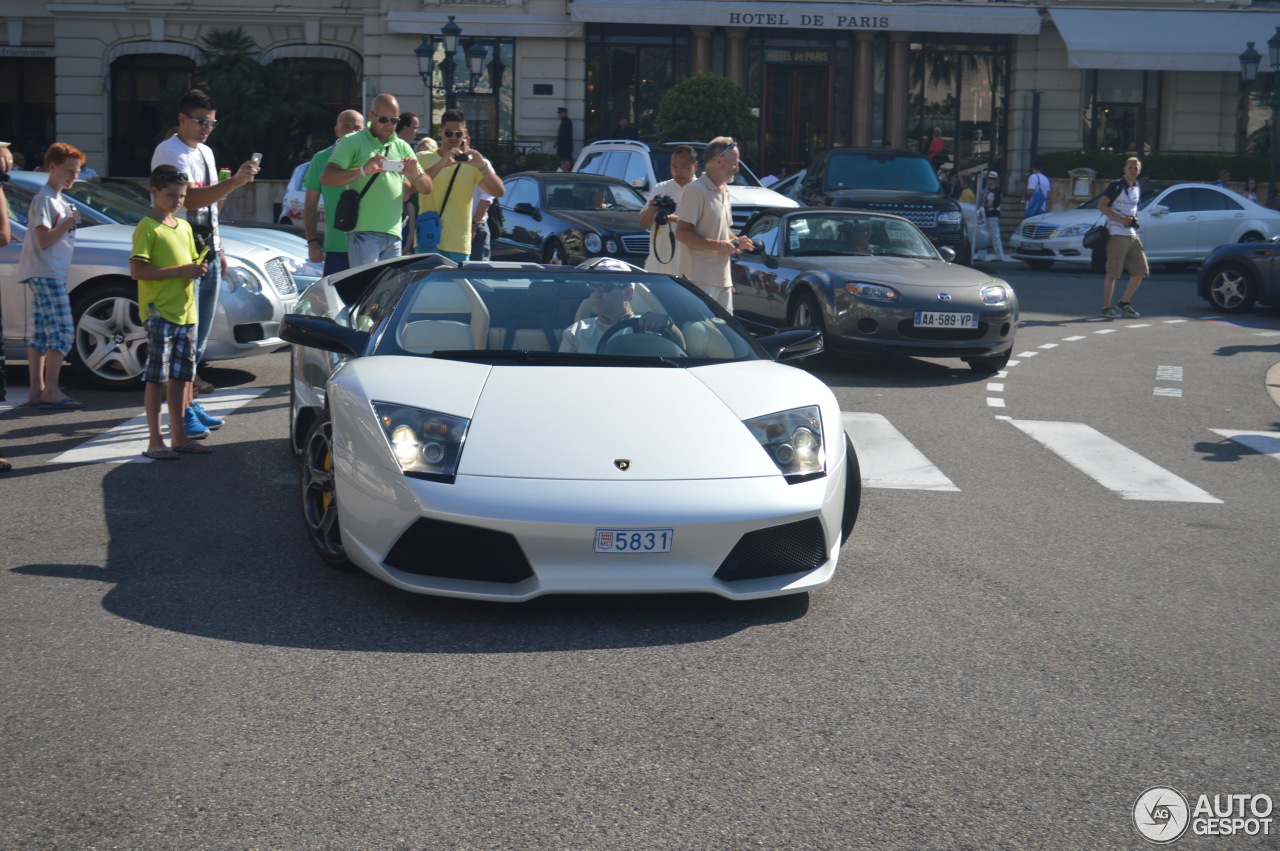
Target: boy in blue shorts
column 165, row 265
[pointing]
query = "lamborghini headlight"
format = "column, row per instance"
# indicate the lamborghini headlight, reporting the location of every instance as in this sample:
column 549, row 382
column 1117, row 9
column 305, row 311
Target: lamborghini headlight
column 426, row 444
column 793, row 440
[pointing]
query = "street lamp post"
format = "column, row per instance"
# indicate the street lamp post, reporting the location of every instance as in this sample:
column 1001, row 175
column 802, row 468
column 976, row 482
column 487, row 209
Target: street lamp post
column 476, row 54
column 1249, row 62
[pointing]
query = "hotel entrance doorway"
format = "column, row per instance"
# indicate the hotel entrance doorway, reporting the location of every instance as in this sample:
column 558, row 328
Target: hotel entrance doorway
column 797, row 115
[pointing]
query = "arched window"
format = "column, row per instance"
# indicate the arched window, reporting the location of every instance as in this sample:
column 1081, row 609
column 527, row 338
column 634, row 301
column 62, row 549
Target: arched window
column 136, row 123
column 337, row 87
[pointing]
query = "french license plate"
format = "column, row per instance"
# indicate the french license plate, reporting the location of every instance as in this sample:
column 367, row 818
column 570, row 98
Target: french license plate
column 933, row 319
column 634, row 540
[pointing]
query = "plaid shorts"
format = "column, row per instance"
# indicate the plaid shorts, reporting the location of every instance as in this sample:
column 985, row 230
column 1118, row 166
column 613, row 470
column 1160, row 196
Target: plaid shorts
column 51, row 325
column 171, row 351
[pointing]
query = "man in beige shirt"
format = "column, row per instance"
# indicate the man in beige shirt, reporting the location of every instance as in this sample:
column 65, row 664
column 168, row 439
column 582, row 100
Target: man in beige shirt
column 703, row 229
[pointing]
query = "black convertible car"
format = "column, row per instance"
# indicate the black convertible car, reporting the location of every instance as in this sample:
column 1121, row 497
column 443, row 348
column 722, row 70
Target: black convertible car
column 1235, row 277
column 566, row 219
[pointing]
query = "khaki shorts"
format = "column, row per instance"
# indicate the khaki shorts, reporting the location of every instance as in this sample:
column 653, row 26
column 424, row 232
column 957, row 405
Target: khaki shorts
column 1126, row 251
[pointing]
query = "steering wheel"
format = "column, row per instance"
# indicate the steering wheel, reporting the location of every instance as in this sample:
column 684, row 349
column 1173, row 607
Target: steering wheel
column 633, row 322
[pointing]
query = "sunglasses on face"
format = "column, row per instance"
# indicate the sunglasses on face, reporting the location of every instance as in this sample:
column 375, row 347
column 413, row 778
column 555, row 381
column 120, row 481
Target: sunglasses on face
column 449, row 134
column 605, row 288
column 382, row 119
column 203, row 122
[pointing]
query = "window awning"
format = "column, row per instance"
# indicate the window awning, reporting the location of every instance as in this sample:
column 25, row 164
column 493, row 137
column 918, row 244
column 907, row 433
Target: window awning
column 1154, row 40
column 817, row 16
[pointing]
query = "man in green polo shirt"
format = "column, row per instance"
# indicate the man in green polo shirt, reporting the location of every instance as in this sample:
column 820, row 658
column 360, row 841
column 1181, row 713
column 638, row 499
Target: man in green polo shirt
column 333, row 248
column 378, row 159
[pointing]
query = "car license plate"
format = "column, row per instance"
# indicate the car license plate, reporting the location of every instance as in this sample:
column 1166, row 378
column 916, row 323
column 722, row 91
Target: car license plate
column 634, row 540
column 1033, row 246
column 933, row 319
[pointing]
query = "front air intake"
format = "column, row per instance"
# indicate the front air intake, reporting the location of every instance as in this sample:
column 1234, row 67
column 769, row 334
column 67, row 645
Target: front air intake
column 454, row 551
column 791, row 548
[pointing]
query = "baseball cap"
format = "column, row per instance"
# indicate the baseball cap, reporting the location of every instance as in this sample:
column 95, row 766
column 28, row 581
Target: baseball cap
column 994, row 174
column 562, row 110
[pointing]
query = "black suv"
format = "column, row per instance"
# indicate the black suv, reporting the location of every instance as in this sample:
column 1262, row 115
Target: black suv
column 887, row 181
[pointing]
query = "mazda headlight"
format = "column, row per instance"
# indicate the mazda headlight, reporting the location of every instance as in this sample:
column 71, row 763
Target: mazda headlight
column 1074, row 230
column 242, row 276
column 592, row 242
column 995, row 296
column 952, row 218
column 793, row 440
column 426, row 444
column 874, row 292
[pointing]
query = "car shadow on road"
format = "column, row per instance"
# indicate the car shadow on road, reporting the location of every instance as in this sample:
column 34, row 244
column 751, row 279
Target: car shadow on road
column 215, row 547
column 871, row 370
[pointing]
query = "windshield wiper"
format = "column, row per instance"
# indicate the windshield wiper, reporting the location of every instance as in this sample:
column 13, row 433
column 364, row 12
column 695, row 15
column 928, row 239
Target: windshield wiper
column 542, row 357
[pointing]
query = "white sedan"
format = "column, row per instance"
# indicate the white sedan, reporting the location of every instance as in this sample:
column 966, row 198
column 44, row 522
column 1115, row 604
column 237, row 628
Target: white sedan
column 1179, row 225
column 448, row 446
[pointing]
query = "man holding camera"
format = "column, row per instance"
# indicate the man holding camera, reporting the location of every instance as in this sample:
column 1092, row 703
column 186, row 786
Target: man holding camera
column 1119, row 203
column 455, row 171
column 659, row 214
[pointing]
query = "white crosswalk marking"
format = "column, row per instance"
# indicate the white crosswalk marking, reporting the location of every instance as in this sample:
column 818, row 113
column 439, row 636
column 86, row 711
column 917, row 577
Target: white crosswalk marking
column 888, row 459
column 127, row 441
column 1111, row 464
column 1266, row 442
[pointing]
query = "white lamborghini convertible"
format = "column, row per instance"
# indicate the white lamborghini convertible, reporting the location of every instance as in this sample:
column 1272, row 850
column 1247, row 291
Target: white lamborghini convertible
column 450, row 447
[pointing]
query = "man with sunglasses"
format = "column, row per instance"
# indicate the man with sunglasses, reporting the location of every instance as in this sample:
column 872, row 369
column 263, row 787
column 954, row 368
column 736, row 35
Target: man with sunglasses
column 377, row 160
column 456, row 169
column 188, row 152
column 611, row 304
column 705, row 216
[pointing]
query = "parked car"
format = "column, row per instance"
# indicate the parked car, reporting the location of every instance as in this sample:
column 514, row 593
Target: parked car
column 1180, row 224
column 1233, row 278
column 566, row 219
column 110, row 347
column 431, row 460
column 293, row 207
column 870, row 282
column 975, row 223
column 888, row 181
column 644, row 166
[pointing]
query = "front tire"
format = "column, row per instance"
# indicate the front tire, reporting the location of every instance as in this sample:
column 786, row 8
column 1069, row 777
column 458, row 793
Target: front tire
column 1232, row 289
column 852, row 492
column 991, row 364
column 110, row 344
column 320, row 498
column 807, row 313
column 1039, row 265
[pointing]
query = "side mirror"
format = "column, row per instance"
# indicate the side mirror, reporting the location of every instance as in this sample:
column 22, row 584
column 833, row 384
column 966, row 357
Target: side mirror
column 792, row 344
column 321, row 332
column 524, row 208
column 948, row 253
column 1160, row 210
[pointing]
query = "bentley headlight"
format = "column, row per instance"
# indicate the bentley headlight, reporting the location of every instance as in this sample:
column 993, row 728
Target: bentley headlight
column 592, row 242
column 1075, row 230
column 793, row 440
column 300, row 268
column 241, row 276
column 426, row 444
column 995, row 296
column 874, row 292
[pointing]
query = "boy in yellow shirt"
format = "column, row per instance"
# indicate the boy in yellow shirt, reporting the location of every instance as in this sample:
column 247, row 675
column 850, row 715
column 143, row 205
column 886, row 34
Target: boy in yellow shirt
column 165, row 265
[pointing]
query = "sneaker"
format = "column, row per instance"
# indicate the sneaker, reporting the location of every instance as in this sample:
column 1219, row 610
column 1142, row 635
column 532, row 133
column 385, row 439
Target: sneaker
column 1110, row 312
column 192, row 426
column 1127, row 309
column 206, row 419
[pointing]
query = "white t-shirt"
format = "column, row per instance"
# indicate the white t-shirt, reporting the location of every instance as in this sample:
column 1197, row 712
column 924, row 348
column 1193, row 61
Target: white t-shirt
column 1038, row 181
column 55, row 261
column 584, row 335
column 662, row 243
column 197, row 163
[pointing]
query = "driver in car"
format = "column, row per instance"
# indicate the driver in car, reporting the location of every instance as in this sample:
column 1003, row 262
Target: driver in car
column 858, row 236
column 611, row 303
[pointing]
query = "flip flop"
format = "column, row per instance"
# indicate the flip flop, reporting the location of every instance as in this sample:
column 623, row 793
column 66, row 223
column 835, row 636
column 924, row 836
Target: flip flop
column 193, row 448
column 5, row 466
column 162, row 455
column 66, row 403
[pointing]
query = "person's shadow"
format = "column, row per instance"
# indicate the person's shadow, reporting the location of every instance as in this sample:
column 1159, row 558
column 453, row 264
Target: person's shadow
column 215, row 547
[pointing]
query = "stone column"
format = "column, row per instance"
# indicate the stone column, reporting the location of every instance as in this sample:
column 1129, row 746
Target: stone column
column 700, row 54
column 735, row 55
column 897, row 90
column 864, row 88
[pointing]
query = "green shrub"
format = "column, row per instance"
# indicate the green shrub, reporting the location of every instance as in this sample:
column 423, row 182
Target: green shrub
column 697, row 109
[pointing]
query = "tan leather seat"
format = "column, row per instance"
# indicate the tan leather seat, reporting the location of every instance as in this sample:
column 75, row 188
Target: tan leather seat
column 446, row 298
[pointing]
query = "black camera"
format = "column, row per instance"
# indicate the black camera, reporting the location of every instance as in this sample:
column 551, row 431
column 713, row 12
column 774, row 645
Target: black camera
column 461, row 157
column 665, row 205
column 4, row 176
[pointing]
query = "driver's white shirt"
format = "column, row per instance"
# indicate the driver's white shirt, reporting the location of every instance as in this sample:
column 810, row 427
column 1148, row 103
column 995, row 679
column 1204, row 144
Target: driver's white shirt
column 584, row 335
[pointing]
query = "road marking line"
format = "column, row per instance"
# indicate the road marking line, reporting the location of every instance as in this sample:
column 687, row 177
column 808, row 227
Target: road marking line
column 1168, row 373
column 1073, row 339
column 1111, row 464
column 127, row 441
column 889, row 459
column 1049, row 346
column 995, row 387
column 1106, row 331
column 1175, row 392
column 1173, row 321
column 1140, row 325
column 995, row 402
column 1011, row 364
column 1027, row 354
column 1266, row 442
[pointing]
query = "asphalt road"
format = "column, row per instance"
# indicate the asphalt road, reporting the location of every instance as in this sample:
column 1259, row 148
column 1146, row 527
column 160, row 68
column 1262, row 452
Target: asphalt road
column 1007, row 662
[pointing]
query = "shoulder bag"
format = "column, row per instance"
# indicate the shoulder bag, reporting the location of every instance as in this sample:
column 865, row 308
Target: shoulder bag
column 348, row 212
column 1096, row 237
column 429, row 228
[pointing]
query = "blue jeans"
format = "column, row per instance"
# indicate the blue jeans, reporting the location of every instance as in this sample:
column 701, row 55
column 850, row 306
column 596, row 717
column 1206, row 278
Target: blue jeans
column 365, row 247
column 480, row 243
column 336, row 261
column 207, row 304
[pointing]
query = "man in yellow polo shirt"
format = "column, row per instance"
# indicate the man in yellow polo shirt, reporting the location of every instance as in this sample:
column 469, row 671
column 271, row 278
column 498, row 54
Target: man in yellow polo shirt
column 454, row 172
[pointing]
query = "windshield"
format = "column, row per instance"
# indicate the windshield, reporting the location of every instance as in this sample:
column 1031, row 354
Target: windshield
column 855, row 235
column 662, row 170
column 116, row 204
column 549, row 317
column 592, row 195
column 881, row 171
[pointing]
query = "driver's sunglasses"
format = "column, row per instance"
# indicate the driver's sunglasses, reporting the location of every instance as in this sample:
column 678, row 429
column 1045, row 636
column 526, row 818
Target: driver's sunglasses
column 605, row 288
